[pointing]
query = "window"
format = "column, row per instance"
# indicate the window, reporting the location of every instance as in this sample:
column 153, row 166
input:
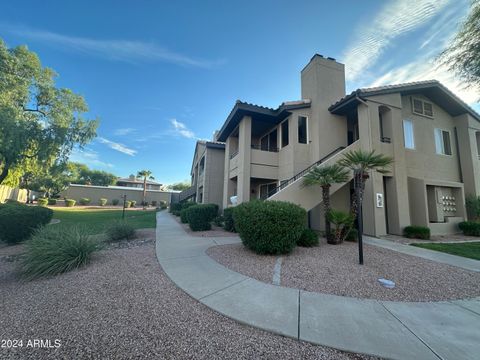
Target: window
column 408, row 134
column 285, row 133
column 269, row 142
column 442, row 142
column 422, row 107
column 267, row 190
column 302, row 130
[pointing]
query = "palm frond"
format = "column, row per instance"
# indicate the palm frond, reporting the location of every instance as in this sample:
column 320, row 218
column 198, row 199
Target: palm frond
column 326, row 175
column 365, row 161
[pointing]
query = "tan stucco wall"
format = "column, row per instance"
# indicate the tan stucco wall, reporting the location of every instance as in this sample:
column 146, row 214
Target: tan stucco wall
column 95, row 193
column 214, row 176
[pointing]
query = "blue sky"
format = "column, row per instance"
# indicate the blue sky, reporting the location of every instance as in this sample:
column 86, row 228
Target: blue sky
column 162, row 74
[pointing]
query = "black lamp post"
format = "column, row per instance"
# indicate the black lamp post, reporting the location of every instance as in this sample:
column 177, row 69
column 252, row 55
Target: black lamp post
column 124, row 202
column 358, row 183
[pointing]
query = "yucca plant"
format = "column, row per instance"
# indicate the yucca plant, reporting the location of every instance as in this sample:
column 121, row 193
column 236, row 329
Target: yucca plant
column 54, row 250
column 325, row 177
column 363, row 162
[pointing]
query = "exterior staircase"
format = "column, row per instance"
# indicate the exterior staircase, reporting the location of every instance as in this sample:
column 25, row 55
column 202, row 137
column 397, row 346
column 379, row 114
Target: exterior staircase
column 309, row 196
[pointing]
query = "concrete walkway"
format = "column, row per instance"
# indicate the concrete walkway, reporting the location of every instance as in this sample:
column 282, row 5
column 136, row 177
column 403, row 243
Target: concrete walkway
column 396, row 330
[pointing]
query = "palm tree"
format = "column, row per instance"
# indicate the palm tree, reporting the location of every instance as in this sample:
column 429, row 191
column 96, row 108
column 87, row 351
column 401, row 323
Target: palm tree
column 145, row 174
column 362, row 163
column 325, row 176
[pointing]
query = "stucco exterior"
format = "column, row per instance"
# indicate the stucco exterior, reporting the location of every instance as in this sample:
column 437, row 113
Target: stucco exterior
column 432, row 136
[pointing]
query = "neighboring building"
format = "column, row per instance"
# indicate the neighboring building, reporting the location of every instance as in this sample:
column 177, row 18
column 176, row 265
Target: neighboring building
column 206, row 174
column 432, row 135
column 134, row 182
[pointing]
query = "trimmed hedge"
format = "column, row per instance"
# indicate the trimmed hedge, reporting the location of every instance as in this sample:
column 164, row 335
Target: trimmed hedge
column 199, row 217
column 128, row 203
column 102, row 202
column 115, row 202
column 178, row 207
column 308, row 238
column 471, row 228
column 183, row 216
column 163, row 205
column 70, row 202
column 133, row 203
column 154, row 203
column 42, row 202
column 269, row 227
column 52, row 201
column 18, row 221
column 417, row 232
column 228, row 223
column 84, row 201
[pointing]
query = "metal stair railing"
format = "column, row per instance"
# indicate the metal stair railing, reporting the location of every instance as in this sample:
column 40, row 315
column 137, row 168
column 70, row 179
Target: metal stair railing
column 301, row 173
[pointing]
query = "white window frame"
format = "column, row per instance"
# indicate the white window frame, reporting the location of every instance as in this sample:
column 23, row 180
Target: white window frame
column 405, row 134
column 439, row 143
column 423, row 107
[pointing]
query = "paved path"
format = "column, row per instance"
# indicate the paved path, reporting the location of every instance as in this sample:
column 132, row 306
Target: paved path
column 397, row 330
column 458, row 261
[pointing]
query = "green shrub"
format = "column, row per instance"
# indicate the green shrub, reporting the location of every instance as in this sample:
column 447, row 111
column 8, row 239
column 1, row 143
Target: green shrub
column 55, row 250
column 199, row 217
column 128, row 203
column 42, row 202
column 269, row 227
column 163, row 205
column 218, row 221
column 343, row 222
column 184, row 216
column 18, row 221
column 52, row 201
column 102, row 202
column 144, row 203
column 471, row 228
column 12, row 201
column 176, row 207
column 119, row 230
column 84, row 201
column 133, row 203
column 115, row 202
column 154, row 203
column 417, row 232
column 213, row 208
column 228, row 223
column 308, row 238
column 352, row 235
column 472, row 204
column 69, row 202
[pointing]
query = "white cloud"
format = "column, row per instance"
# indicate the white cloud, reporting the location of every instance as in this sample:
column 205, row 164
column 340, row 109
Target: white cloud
column 394, row 19
column 123, row 131
column 120, row 50
column 181, row 129
column 88, row 157
column 117, row 146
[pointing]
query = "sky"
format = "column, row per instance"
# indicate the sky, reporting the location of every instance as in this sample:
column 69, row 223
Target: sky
column 162, row 74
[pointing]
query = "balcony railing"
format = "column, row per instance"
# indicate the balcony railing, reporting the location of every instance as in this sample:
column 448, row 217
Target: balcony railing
column 385, row 139
column 187, row 193
column 262, row 148
column 233, row 154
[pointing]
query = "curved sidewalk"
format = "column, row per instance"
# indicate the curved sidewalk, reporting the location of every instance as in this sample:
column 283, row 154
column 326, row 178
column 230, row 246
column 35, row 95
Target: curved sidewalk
column 398, row 330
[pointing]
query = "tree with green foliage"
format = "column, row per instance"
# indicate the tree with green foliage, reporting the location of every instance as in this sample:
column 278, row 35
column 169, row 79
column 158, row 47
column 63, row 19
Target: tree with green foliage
column 463, row 54
column 38, row 121
column 180, row 186
column 145, row 174
column 325, row 177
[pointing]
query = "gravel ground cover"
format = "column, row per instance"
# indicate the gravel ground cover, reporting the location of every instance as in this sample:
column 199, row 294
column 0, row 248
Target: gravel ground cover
column 334, row 269
column 123, row 306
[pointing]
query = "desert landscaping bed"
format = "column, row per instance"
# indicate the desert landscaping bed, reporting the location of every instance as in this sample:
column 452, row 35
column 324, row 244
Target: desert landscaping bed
column 334, row 269
column 123, row 306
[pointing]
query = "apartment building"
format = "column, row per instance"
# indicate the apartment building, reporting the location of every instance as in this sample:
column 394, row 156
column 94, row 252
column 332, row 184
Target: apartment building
column 432, row 135
column 207, row 174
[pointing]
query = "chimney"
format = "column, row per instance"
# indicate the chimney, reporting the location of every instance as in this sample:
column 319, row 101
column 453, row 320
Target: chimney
column 323, row 81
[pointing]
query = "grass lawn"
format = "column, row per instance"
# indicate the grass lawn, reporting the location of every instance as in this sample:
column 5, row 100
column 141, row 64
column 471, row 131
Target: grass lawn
column 97, row 219
column 466, row 249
